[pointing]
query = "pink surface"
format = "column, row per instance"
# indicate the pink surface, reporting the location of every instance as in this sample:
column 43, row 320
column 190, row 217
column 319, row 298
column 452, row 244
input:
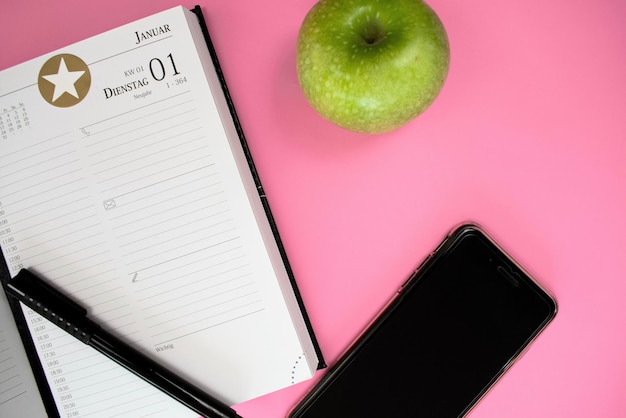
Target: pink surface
column 528, row 138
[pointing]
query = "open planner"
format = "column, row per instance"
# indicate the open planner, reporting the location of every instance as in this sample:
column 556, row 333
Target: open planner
column 126, row 182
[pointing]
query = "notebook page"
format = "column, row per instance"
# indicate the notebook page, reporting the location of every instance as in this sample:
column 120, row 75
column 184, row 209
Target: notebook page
column 130, row 201
column 19, row 395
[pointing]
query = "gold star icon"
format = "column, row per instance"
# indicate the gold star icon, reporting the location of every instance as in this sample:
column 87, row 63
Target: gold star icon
column 64, row 80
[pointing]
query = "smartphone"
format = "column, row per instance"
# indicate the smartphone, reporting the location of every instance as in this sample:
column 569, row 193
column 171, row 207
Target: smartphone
column 453, row 328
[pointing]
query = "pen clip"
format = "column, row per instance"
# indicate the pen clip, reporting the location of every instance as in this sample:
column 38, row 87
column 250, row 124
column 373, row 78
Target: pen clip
column 50, row 303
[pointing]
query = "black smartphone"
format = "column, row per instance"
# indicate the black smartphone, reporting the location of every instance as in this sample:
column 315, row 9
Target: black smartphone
column 451, row 331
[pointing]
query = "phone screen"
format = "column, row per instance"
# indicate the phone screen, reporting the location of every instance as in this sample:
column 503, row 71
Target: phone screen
column 451, row 332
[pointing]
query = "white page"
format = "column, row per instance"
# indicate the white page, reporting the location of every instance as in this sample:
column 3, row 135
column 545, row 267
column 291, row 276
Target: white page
column 19, row 395
column 130, row 202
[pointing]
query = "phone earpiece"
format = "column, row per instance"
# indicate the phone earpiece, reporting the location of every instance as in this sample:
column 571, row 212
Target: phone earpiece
column 512, row 277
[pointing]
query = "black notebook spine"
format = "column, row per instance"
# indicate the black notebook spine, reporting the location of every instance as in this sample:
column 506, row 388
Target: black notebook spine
column 244, row 144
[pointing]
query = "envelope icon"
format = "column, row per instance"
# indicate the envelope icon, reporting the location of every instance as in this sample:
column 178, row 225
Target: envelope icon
column 109, row 204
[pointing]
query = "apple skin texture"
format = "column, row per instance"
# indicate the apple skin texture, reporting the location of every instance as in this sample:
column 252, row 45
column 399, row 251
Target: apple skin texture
column 371, row 66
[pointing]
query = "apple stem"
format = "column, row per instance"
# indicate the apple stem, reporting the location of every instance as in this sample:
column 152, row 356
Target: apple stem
column 374, row 33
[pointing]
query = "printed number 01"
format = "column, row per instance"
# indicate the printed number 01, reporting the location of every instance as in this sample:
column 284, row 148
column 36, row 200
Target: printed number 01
column 157, row 68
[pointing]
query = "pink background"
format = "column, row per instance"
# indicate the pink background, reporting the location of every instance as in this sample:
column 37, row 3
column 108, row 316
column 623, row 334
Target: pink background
column 528, row 138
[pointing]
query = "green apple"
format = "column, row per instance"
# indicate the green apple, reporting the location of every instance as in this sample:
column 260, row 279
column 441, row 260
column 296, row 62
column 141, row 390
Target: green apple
column 372, row 66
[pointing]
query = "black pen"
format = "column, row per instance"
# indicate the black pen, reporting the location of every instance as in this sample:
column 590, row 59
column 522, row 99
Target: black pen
column 68, row 315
